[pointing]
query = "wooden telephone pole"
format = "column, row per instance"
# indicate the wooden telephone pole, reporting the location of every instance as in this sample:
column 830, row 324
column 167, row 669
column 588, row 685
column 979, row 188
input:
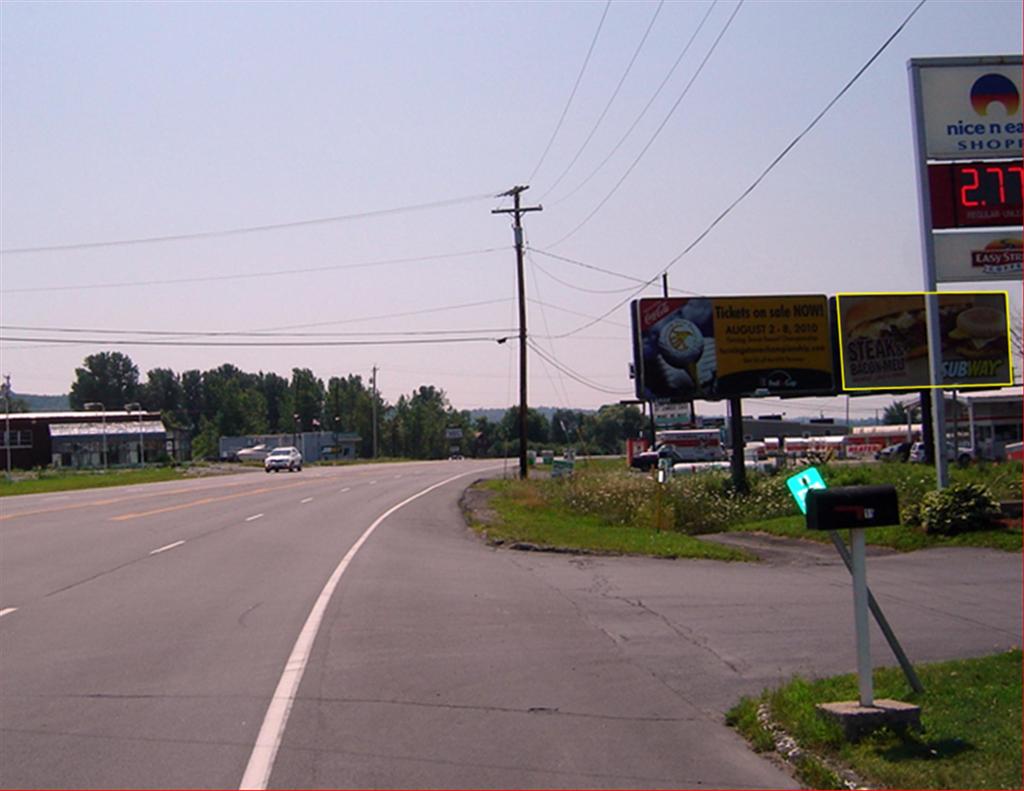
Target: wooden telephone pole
column 517, row 212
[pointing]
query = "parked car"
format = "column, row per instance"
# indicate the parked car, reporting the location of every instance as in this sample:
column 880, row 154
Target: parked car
column 649, row 458
column 898, row 452
column 962, row 456
column 284, row 458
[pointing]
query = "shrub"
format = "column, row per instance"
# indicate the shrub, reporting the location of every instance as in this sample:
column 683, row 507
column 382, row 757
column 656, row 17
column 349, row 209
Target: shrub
column 960, row 508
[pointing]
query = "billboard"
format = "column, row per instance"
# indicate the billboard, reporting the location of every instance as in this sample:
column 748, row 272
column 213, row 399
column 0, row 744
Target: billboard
column 883, row 341
column 719, row 347
column 971, row 107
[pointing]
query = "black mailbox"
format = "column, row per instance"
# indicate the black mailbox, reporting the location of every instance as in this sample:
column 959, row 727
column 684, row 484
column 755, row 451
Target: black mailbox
column 852, row 506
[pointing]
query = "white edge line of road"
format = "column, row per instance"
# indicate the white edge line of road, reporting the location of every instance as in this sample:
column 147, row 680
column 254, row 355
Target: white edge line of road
column 7, row 611
column 253, row 518
column 264, row 752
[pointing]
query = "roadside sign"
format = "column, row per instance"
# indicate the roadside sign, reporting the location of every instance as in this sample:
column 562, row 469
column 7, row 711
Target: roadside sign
column 722, row 347
column 801, row 483
column 562, row 467
column 971, row 106
column 453, row 433
column 883, row 341
column 669, row 415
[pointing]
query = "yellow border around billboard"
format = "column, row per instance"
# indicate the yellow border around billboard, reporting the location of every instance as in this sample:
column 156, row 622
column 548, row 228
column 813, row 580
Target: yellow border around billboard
column 842, row 363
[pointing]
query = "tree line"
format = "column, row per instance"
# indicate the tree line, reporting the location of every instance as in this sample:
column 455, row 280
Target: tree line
column 227, row 401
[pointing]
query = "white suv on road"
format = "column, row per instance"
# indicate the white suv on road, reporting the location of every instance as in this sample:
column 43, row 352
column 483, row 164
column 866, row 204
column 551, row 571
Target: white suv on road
column 285, row 458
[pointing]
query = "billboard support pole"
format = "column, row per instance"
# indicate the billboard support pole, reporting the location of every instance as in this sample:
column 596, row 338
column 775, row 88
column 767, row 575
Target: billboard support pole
column 736, row 462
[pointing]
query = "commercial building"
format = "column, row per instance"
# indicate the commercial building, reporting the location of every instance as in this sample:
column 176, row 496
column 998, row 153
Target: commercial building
column 313, row 445
column 83, row 439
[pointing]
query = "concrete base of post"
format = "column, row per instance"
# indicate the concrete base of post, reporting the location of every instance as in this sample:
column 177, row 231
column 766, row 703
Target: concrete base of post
column 858, row 721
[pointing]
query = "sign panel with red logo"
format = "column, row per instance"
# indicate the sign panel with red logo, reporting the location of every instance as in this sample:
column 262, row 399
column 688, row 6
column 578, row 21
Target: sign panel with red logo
column 883, row 341
column 978, row 256
column 972, row 111
column 719, row 347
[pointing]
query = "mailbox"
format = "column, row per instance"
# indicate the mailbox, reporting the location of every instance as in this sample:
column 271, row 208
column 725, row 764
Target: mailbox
column 852, row 506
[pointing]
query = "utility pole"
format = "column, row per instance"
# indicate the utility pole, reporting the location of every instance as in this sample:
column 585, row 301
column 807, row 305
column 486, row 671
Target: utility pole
column 517, row 212
column 7, row 425
column 373, row 387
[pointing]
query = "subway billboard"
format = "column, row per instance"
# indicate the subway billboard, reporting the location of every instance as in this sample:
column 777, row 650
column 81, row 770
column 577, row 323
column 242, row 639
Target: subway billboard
column 721, row 347
column 883, row 341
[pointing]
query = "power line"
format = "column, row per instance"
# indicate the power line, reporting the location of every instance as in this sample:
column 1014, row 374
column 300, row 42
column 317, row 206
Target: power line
column 245, row 333
column 661, row 126
column 799, row 137
column 572, row 94
column 382, row 316
column 761, row 177
column 643, row 112
column 247, row 229
column 573, row 374
column 611, row 101
column 632, row 278
column 566, row 283
column 253, row 275
column 262, row 344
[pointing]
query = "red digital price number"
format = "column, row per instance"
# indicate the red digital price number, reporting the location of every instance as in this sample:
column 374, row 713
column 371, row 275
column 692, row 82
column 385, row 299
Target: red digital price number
column 976, row 194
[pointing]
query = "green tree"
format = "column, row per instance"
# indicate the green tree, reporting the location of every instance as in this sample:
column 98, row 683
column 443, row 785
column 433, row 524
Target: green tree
column 348, row 407
column 896, row 414
column 537, row 429
column 608, row 429
column 426, row 423
column 278, row 398
column 110, row 378
column 192, row 401
column 163, row 393
column 307, row 399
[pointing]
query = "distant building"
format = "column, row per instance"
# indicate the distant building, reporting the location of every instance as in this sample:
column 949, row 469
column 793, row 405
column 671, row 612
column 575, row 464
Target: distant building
column 313, row 445
column 994, row 420
column 79, row 439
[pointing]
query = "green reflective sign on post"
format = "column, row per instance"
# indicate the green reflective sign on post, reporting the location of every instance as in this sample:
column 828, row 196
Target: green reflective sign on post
column 801, row 483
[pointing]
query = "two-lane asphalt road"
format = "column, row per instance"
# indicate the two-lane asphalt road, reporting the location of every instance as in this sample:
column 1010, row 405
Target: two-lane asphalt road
column 341, row 627
column 145, row 628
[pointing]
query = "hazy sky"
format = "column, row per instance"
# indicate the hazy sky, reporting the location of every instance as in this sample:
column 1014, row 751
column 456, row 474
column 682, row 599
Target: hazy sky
column 124, row 121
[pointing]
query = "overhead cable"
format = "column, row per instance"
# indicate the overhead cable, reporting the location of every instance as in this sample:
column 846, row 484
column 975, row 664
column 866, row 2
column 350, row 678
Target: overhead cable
column 661, row 126
column 573, row 374
column 247, row 229
column 643, row 112
column 246, row 334
column 252, row 275
column 262, row 344
column 572, row 94
column 607, row 107
column 761, row 177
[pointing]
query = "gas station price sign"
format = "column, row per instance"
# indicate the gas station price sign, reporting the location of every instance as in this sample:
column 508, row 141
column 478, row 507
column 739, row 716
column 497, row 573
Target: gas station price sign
column 975, row 194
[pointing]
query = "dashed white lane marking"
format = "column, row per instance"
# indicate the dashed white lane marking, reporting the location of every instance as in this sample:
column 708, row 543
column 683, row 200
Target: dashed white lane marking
column 346, row 489
column 261, row 760
column 373, row 483
column 253, row 518
column 7, row 611
column 169, row 546
column 307, row 500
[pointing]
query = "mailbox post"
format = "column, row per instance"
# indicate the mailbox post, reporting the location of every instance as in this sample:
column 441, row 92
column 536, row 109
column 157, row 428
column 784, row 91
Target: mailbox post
column 858, row 508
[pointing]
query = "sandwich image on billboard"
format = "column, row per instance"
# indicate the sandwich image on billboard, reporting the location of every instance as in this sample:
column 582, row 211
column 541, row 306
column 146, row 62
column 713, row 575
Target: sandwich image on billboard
column 883, row 340
column 719, row 347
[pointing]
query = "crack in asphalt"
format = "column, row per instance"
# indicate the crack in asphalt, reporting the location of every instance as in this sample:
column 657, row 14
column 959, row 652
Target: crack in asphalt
column 530, row 710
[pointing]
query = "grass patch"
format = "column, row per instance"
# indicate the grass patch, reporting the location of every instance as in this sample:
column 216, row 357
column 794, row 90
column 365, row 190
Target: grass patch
column 61, row 481
column 902, row 539
column 524, row 514
column 970, row 710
